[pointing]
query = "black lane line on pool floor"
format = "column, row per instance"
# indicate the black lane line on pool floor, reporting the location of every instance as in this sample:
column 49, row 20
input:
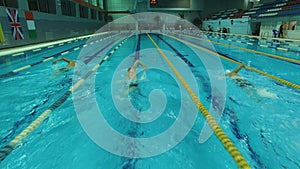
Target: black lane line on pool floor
column 131, row 162
column 23, row 120
column 204, row 80
column 247, row 51
column 138, row 48
column 277, row 80
column 212, row 50
column 242, row 137
column 238, row 135
column 176, row 51
column 13, row 72
column 6, row 150
column 236, row 131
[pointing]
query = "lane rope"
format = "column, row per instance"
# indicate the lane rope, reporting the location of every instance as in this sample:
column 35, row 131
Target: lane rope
column 5, row 151
column 220, row 134
column 10, row 73
column 293, row 85
column 44, row 45
column 177, row 52
column 294, row 61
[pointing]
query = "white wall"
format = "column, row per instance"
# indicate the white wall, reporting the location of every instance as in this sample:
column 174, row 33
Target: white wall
column 120, row 5
column 213, row 6
column 143, row 6
column 239, row 26
column 267, row 27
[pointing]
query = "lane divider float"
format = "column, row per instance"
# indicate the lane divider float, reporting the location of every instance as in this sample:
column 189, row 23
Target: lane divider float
column 219, row 133
column 250, row 50
column 296, row 86
column 6, row 150
column 44, row 60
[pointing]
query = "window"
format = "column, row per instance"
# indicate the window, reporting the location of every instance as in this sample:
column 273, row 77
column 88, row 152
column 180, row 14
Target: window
column 33, row 5
column 10, row 3
column 100, row 16
column 93, row 14
column 43, row 6
column 47, row 6
column 51, row 6
column 83, row 11
column 100, row 4
column 72, row 8
column 68, row 8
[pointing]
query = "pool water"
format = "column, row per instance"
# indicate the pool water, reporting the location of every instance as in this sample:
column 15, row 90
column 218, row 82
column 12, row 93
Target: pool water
column 262, row 120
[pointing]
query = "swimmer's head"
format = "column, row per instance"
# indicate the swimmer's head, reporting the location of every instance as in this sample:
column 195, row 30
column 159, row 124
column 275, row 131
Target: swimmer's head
column 128, row 69
column 227, row 71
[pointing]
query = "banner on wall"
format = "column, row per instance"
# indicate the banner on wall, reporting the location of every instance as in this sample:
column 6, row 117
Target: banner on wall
column 14, row 22
column 31, row 25
column 2, row 39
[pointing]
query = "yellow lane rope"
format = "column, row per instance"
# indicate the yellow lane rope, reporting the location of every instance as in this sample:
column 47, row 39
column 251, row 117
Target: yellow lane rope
column 296, row 86
column 227, row 143
column 248, row 50
column 5, row 151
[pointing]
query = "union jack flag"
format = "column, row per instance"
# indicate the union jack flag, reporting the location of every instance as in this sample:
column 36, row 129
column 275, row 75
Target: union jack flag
column 15, row 24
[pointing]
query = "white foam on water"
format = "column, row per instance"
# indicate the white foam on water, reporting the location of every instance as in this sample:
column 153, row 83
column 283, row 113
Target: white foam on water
column 263, row 92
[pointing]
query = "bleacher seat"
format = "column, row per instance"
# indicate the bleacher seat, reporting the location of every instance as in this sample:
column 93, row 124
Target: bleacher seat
column 224, row 14
column 275, row 8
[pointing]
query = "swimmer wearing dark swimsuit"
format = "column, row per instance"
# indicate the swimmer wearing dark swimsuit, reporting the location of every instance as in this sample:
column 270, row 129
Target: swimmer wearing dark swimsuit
column 133, row 85
column 240, row 81
column 69, row 65
column 131, row 75
column 243, row 82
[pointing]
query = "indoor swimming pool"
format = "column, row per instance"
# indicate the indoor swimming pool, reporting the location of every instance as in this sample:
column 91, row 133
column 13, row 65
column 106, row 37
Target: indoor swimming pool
column 259, row 114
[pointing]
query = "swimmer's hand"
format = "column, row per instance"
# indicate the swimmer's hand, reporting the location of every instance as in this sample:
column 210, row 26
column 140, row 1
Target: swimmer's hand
column 231, row 74
column 145, row 67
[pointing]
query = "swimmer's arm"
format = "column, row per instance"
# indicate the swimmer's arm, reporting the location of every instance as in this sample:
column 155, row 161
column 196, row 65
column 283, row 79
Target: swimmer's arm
column 138, row 62
column 63, row 59
column 70, row 62
column 234, row 72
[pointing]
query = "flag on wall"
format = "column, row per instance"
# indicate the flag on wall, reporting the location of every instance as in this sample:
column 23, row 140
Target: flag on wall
column 14, row 22
column 30, row 25
column 2, row 39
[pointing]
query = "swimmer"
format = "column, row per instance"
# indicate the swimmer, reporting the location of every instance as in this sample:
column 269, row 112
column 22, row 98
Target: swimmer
column 131, row 75
column 235, row 72
column 70, row 65
column 243, row 83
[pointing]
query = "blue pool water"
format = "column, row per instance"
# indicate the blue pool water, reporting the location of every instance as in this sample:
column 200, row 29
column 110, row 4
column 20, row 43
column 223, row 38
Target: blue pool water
column 262, row 120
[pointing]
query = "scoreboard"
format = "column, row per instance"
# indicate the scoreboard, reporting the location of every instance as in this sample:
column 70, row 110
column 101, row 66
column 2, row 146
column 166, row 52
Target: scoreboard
column 169, row 3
